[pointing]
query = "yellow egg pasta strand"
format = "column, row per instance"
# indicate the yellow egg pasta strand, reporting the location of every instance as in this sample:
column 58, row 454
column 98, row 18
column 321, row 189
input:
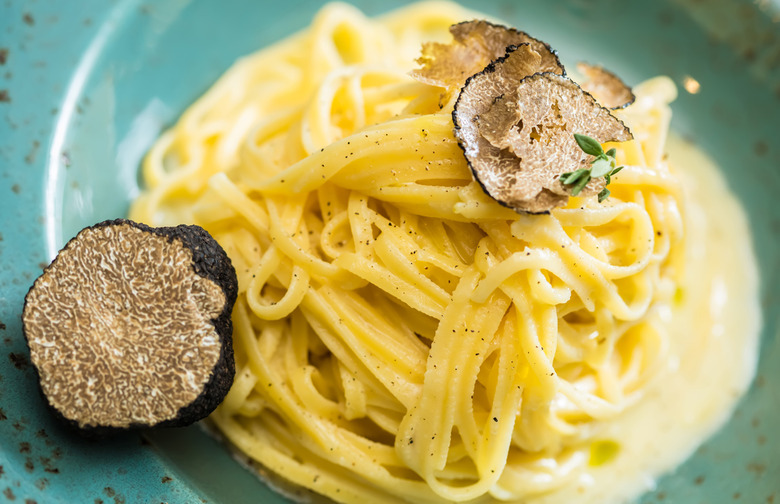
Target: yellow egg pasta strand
column 399, row 335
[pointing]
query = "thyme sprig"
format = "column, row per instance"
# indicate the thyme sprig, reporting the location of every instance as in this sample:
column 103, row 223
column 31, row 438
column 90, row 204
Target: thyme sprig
column 604, row 165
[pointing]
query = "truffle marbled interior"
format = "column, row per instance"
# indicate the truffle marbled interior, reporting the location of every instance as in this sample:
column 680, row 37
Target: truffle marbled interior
column 516, row 126
column 122, row 328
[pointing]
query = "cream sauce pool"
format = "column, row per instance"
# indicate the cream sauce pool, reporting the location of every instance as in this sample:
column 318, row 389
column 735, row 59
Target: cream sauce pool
column 705, row 374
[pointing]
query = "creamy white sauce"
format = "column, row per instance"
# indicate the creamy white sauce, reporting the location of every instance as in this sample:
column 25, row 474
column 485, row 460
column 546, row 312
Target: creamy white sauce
column 714, row 346
column 712, row 358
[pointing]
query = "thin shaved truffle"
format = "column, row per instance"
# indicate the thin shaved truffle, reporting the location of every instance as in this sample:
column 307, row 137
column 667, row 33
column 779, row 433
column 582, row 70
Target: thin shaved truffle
column 130, row 327
column 606, row 87
column 475, row 44
column 517, row 132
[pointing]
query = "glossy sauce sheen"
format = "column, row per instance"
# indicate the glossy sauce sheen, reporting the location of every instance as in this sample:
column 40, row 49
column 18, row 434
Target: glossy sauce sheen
column 705, row 374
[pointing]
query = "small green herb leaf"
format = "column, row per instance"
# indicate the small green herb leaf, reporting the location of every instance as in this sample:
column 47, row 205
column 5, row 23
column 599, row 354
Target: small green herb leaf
column 603, row 165
column 580, row 185
column 569, row 178
column 600, row 168
column 588, row 145
column 566, row 178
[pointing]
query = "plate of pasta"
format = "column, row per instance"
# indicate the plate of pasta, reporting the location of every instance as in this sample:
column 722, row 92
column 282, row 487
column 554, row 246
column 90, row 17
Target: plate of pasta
column 485, row 252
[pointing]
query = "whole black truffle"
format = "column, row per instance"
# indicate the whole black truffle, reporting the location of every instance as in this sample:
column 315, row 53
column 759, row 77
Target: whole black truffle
column 130, row 327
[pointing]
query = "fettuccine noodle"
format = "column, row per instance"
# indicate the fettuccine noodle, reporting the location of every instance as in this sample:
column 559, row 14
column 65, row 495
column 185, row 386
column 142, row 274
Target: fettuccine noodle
column 399, row 335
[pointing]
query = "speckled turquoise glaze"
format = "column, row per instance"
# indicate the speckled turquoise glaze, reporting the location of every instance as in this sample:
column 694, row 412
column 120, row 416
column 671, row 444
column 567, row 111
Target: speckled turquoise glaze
column 86, row 86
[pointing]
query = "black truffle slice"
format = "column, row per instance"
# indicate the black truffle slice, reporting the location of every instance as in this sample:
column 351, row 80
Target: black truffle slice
column 606, row 87
column 516, row 129
column 475, row 44
column 130, row 327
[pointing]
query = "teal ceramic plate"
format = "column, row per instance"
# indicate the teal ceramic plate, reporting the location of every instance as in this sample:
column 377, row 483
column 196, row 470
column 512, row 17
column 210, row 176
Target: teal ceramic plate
column 86, row 86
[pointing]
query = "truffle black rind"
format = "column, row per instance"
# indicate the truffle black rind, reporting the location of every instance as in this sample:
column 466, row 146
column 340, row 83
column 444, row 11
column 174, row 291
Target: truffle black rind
column 210, row 262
